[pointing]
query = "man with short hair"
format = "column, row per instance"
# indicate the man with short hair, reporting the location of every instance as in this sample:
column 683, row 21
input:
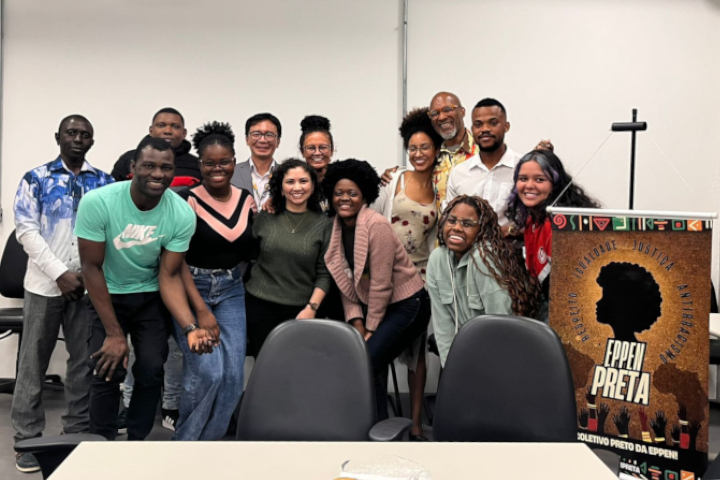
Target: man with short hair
column 262, row 135
column 45, row 207
column 132, row 239
column 169, row 125
column 447, row 116
column 489, row 174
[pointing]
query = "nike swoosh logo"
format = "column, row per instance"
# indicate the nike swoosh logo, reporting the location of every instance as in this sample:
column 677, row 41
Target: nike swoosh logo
column 119, row 244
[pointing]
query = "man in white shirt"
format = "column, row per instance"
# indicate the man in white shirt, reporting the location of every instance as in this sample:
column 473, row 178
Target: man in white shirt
column 262, row 135
column 45, row 207
column 489, row 174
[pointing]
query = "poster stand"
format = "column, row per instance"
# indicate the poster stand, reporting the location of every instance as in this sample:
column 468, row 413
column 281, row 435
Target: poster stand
column 630, row 301
column 633, row 127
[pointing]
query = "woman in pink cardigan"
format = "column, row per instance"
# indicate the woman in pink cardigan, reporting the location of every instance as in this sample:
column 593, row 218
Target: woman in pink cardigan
column 383, row 296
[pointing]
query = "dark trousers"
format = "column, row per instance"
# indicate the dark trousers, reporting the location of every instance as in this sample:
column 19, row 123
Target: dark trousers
column 404, row 322
column 262, row 318
column 145, row 318
column 332, row 307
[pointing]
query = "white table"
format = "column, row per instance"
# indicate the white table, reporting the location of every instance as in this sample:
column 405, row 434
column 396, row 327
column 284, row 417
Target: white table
column 322, row 461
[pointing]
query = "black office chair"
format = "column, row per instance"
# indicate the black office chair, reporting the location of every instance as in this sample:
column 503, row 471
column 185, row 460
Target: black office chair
column 506, row 379
column 714, row 342
column 430, row 398
column 713, row 470
column 313, row 381
column 51, row 451
column 12, row 273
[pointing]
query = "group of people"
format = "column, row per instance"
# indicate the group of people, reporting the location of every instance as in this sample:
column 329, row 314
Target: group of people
column 204, row 257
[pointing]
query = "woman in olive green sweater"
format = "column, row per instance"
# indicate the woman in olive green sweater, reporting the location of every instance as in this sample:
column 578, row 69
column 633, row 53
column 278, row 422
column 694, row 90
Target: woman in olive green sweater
column 474, row 271
column 289, row 279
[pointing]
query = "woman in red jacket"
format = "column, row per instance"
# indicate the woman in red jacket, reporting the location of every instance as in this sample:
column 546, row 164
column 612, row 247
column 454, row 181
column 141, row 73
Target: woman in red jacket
column 540, row 178
column 382, row 293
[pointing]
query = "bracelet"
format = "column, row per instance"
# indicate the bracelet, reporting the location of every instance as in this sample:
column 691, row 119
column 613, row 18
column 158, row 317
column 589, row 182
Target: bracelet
column 659, row 439
column 591, row 405
column 189, row 329
column 684, row 422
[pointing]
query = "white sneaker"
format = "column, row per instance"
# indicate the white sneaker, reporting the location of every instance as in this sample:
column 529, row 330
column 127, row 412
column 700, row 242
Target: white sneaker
column 170, row 418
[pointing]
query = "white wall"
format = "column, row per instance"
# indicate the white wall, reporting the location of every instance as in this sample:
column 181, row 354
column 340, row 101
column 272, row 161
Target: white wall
column 564, row 69
column 119, row 62
column 567, row 70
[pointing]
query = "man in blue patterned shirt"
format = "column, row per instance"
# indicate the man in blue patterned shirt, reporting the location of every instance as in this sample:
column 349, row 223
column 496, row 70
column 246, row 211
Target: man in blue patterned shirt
column 46, row 204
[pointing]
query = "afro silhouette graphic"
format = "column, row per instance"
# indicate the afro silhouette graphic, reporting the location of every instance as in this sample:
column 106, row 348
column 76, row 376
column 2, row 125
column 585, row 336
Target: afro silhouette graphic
column 631, row 299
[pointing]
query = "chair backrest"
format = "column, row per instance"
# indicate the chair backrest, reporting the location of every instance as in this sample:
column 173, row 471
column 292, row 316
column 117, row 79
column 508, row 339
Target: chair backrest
column 12, row 269
column 506, row 379
column 50, row 452
column 311, row 382
column 713, row 470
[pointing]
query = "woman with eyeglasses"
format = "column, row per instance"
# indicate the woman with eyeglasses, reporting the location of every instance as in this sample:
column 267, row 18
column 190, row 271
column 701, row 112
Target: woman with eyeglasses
column 217, row 258
column 382, row 292
column 474, row 271
column 408, row 202
column 317, row 147
column 289, row 279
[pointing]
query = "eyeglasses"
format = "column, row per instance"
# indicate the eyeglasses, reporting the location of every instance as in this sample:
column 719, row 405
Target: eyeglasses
column 222, row 163
column 446, row 110
column 423, row 148
column 269, row 136
column 312, row 148
column 452, row 221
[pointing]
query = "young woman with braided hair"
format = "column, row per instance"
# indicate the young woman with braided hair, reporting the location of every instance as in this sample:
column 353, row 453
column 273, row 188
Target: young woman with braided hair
column 474, row 271
column 215, row 263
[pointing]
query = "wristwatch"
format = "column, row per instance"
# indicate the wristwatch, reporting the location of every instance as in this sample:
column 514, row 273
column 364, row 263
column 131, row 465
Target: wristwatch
column 314, row 306
column 189, row 329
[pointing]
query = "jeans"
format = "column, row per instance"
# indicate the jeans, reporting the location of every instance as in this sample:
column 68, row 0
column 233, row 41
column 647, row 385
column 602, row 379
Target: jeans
column 404, row 322
column 42, row 318
column 173, row 377
column 145, row 318
column 213, row 383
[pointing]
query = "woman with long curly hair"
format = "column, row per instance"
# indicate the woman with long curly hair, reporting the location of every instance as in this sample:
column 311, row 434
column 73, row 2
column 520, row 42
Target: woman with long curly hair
column 217, row 258
column 289, row 279
column 474, row 271
column 539, row 179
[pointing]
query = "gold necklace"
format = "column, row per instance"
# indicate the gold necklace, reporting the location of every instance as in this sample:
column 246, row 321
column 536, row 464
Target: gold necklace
column 292, row 229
